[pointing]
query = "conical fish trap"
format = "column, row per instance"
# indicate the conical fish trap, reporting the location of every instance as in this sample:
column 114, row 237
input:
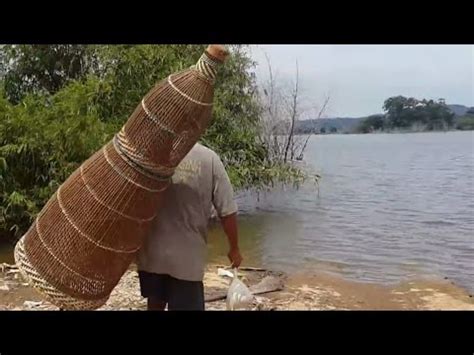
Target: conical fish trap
column 88, row 233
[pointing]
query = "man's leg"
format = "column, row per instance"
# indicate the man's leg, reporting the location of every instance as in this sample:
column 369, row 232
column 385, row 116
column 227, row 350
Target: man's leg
column 185, row 295
column 154, row 288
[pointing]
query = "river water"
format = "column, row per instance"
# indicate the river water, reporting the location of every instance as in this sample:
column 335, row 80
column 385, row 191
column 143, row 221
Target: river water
column 391, row 207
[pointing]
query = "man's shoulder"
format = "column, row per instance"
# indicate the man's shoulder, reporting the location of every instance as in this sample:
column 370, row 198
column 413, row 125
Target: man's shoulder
column 205, row 151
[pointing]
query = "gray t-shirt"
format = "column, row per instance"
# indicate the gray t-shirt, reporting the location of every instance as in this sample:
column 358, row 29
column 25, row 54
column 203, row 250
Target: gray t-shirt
column 177, row 244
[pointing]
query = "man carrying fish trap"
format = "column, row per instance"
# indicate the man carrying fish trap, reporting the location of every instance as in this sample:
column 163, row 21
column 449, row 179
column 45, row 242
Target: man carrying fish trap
column 172, row 261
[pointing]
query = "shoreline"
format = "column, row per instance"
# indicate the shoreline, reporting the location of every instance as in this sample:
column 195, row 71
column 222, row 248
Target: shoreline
column 304, row 291
column 384, row 132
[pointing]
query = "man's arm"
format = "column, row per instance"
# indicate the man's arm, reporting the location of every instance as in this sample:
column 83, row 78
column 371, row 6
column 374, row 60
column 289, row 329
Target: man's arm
column 229, row 224
column 223, row 201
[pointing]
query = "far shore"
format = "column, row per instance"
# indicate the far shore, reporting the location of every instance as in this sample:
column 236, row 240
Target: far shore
column 380, row 132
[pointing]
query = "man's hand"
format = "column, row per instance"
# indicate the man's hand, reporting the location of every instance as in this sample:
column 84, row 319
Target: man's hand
column 229, row 223
column 235, row 257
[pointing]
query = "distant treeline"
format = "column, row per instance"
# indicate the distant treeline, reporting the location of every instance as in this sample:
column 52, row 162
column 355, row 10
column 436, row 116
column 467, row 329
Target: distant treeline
column 410, row 114
column 401, row 114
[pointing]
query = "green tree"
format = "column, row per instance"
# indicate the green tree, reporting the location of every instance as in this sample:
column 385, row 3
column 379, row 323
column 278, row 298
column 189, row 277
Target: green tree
column 43, row 68
column 2, row 64
column 42, row 141
column 59, row 121
column 466, row 123
column 402, row 112
column 128, row 72
column 371, row 124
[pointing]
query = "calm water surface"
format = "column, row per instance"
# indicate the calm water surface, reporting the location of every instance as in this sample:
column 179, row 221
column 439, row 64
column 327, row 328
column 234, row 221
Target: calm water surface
column 390, row 208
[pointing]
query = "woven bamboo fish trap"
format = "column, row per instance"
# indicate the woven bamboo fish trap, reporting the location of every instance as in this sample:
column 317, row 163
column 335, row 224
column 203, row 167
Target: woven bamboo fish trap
column 88, row 233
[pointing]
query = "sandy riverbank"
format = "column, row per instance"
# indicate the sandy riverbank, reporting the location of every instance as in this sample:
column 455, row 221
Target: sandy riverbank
column 299, row 292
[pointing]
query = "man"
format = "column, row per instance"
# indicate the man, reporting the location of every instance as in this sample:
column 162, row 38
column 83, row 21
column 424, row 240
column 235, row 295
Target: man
column 172, row 261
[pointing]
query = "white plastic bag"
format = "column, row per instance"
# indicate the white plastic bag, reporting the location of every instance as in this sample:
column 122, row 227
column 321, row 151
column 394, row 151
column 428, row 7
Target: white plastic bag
column 238, row 295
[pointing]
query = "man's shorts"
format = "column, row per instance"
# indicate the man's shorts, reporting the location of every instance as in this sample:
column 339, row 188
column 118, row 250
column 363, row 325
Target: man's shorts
column 178, row 294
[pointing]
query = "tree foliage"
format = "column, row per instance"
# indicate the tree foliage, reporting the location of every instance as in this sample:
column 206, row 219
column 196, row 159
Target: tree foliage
column 59, row 104
column 466, row 122
column 43, row 68
column 371, row 124
column 402, row 113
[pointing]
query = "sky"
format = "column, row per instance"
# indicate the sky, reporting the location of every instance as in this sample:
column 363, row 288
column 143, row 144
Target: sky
column 358, row 78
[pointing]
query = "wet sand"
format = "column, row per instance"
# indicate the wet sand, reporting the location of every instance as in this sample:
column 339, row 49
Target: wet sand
column 300, row 292
column 334, row 292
